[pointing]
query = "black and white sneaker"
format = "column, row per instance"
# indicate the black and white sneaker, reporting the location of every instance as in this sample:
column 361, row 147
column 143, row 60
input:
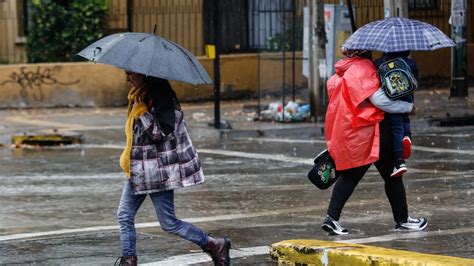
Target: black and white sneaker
column 333, row 227
column 412, row 224
column 399, row 168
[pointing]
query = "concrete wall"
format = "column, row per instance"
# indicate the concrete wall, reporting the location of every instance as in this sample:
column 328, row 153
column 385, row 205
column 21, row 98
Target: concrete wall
column 61, row 84
column 88, row 84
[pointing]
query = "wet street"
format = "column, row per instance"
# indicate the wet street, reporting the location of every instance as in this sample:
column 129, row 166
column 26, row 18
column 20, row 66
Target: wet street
column 58, row 205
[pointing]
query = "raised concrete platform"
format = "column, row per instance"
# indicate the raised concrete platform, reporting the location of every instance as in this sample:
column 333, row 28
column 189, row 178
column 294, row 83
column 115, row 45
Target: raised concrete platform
column 316, row 252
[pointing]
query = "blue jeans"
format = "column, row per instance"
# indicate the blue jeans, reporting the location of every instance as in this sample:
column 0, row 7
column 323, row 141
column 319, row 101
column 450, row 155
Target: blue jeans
column 400, row 127
column 164, row 207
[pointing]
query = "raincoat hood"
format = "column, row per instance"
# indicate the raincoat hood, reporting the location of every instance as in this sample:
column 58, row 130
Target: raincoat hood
column 342, row 65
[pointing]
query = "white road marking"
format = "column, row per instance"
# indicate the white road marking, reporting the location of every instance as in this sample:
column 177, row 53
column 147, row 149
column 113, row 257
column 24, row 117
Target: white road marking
column 305, row 161
column 274, row 157
column 414, row 147
column 156, row 224
column 249, row 155
column 449, row 135
column 65, row 127
column 402, row 235
column 202, row 257
column 264, row 156
column 442, row 150
column 283, row 140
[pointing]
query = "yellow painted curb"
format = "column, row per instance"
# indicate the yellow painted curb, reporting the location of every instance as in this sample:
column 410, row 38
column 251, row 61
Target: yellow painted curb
column 315, row 252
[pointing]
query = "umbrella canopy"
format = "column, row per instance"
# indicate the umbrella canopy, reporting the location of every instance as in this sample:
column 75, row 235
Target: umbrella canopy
column 147, row 54
column 398, row 34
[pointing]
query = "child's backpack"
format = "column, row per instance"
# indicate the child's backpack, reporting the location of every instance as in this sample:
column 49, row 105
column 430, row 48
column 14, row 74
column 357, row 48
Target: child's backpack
column 396, row 78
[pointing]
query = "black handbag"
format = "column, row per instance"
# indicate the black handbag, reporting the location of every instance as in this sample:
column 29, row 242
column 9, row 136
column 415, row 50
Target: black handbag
column 323, row 174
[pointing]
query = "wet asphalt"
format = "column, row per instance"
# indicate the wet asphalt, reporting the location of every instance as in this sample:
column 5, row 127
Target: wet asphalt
column 58, row 205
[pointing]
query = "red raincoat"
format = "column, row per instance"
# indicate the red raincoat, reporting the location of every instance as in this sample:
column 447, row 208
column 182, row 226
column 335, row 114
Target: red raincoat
column 352, row 122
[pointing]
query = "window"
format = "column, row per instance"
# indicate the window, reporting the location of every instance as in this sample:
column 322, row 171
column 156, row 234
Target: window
column 423, row 4
column 22, row 17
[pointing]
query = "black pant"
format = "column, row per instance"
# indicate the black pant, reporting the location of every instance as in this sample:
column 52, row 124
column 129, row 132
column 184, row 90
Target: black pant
column 394, row 188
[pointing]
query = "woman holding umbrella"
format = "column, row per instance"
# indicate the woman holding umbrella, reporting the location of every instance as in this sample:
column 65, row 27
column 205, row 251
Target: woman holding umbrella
column 356, row 133
column 159, row 156
column 157, row 159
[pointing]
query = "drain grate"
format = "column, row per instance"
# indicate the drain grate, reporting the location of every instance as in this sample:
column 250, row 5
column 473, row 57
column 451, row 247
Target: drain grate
column 46, row 139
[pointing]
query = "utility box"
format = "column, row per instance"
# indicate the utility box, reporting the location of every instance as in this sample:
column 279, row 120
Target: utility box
column 338, row 29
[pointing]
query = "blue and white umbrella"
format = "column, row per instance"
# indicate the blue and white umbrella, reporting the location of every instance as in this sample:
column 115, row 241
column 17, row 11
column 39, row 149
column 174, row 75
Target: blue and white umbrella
column 147, row 54
column 398, row 34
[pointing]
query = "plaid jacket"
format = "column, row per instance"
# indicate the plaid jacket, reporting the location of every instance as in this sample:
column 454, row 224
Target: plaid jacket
column 162, row 162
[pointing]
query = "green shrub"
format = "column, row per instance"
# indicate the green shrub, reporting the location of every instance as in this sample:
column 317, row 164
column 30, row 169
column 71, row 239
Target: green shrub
column 278, row 42
column 60, row 29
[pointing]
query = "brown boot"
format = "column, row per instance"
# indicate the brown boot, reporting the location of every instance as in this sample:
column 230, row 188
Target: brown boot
column 218, row 249
column 127, row 261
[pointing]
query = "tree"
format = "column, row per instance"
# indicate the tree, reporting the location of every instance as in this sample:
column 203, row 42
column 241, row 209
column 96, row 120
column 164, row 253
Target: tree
column 60, row 29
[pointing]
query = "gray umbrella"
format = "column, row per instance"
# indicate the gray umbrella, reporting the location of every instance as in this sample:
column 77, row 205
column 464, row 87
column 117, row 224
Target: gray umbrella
column 147, row 54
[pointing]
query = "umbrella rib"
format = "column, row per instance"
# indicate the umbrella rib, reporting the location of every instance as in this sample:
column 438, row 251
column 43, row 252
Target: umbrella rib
column 197, row 66
column 150, row 67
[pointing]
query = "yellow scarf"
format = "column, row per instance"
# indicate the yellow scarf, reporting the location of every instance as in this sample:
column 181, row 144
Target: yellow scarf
column 136, row 108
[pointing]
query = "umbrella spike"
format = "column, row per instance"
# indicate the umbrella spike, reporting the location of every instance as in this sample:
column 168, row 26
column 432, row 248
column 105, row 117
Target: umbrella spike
column 154, row 29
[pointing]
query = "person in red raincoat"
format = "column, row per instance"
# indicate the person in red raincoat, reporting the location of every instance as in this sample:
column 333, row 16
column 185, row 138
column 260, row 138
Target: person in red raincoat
column 357, row 136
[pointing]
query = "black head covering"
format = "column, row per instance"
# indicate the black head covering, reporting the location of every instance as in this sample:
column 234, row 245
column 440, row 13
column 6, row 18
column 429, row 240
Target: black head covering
column 163, row 99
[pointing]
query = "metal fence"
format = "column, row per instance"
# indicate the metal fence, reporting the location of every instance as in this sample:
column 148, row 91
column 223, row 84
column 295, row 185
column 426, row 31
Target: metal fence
column 178, row 20
column 233, row 17
column 275, row 32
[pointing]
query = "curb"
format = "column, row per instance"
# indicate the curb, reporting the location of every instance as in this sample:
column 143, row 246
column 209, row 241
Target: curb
column 316, row 252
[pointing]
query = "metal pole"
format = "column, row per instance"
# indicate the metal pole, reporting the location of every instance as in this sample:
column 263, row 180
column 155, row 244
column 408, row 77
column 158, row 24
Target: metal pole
column 321, row 52
column 284, row 59
column 293, row 44
column 130, row 15
column 257, row 42
column 351, row 16
column 313, row 60
column 459, row 74
column 217, row 74
column 317, row 57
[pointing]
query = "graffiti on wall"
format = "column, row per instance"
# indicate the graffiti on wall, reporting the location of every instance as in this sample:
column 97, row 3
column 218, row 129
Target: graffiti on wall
column 31, row 82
